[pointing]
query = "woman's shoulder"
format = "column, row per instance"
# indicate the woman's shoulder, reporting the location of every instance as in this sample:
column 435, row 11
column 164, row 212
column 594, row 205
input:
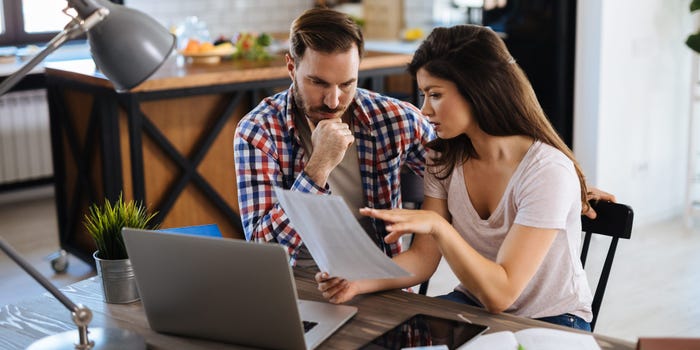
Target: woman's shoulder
column 546, row 161
column 438, row 173
column 547, row 173
column 545, row 154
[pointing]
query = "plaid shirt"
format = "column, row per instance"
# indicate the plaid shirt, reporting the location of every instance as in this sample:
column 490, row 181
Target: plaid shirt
column 268, row 152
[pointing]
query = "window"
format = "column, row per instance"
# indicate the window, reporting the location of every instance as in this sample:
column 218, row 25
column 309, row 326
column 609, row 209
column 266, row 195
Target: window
column 20, row 21
column 43, row 16
column 32, row 21
column 2, row 19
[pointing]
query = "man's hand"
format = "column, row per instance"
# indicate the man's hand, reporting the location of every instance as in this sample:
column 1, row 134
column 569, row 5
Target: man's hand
column 595, row 194
column 330, row 139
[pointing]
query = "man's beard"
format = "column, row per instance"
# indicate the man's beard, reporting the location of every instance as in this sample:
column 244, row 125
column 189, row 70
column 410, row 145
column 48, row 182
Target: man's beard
column 309, row 111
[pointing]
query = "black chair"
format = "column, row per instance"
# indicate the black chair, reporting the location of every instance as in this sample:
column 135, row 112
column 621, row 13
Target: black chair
column 412, row 198
column 613, row 220
column 411, row 189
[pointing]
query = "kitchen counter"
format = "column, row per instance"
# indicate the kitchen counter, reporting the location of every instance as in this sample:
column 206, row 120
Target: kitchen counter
column 35, row 77
column 69, row 51
column 177, row 74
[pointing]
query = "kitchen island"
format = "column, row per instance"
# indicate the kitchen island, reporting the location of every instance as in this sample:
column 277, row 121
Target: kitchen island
column 168, row 142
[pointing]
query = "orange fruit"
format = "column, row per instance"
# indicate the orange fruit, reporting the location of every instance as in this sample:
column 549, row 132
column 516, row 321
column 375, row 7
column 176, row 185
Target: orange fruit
column 206, row 47
column 192, row 46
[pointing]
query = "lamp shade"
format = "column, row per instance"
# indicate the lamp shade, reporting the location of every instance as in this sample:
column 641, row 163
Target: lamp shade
column 128, row 46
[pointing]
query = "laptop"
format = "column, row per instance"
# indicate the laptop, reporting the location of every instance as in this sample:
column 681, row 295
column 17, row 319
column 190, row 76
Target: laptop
column 226, row 290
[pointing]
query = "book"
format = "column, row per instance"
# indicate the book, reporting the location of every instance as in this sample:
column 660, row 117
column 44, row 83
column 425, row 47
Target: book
column 533, row 339
column 647, row 343
column 211, row 230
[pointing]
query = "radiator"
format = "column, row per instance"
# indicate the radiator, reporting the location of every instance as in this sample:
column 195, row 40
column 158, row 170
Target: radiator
column 25, row 141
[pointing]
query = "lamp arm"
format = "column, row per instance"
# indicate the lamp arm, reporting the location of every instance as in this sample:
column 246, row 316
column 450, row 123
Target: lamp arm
column 72, row 30
column 7, row 249
column 80, row 314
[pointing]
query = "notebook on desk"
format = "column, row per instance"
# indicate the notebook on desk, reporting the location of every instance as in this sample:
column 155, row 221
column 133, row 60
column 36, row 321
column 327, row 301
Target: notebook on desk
column 226, row 290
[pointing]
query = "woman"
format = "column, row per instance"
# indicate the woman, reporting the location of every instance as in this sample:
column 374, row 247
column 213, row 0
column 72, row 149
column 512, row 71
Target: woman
column 503, row 193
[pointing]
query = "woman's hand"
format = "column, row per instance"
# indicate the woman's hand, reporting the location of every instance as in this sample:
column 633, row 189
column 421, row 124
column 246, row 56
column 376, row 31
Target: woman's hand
column 402, row 221
column 595, row 194
column 337, row 290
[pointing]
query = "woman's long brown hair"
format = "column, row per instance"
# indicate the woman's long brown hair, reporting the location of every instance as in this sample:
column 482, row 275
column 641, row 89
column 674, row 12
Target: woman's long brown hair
column 486, row 75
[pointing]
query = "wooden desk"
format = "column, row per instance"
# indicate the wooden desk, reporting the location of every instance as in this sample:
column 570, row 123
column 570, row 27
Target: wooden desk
column 167, row 142
column 24, row 323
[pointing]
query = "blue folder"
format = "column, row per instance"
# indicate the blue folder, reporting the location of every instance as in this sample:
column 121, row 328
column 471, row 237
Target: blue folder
column 209, row 230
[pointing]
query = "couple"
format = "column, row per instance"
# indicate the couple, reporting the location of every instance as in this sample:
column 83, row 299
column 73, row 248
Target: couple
column 503, row 193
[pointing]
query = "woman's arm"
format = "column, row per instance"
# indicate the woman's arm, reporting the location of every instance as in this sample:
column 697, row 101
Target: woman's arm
column 497, row 284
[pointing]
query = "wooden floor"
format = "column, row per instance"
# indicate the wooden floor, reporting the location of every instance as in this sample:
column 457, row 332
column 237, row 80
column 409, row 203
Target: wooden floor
column 654, row 288
column 30, row 227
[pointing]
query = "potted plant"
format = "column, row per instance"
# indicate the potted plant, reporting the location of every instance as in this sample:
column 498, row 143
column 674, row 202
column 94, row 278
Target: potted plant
column 104, row 223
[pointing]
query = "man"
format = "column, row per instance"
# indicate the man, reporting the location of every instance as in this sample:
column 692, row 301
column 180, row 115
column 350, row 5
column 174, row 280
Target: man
column 324, row 135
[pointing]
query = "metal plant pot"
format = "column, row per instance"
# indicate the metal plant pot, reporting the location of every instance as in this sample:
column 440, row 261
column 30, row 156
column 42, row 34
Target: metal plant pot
column 118, row 280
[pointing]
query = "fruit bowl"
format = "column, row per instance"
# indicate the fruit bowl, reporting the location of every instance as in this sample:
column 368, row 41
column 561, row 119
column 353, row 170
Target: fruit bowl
column 212, row 57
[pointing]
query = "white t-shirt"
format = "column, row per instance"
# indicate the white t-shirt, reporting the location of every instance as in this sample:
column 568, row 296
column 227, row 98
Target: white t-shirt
column 543, row 192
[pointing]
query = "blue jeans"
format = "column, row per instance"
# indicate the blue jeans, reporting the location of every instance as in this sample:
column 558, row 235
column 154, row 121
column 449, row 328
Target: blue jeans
column 567, row 320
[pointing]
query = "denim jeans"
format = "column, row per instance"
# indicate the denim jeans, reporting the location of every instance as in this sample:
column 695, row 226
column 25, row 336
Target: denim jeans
column 567, row 320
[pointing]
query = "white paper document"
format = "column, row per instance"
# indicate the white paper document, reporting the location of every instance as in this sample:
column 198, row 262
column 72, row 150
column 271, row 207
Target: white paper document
column 334, row 238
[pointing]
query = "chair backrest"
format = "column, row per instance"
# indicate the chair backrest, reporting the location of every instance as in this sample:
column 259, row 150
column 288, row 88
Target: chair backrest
column 412, row 198
column 613, row 220
column 411, row 189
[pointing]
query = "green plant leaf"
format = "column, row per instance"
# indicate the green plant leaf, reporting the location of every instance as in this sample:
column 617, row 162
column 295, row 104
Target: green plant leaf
column 104, row 223
column 694, row 5
column 263, row 40
column 693, row 42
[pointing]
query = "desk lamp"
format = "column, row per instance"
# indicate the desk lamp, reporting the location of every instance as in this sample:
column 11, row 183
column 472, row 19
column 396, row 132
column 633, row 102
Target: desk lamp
column 128, row 47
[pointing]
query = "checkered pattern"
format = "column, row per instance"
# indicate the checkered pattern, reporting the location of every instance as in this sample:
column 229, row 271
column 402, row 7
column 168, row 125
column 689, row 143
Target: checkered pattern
column 268, row 153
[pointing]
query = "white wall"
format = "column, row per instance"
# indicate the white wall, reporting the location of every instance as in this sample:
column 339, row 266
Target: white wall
column 226, row 17
column 631, row 101
column 230, row 16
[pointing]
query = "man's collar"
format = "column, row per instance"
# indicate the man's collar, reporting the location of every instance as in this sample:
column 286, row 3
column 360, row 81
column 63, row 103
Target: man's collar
column 357, row 108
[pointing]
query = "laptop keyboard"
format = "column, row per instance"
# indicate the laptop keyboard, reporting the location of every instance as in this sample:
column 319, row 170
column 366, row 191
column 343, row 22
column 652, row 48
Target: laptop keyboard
column 308, row 325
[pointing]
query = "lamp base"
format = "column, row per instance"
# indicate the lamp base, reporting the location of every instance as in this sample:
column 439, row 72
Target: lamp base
column 103, row 338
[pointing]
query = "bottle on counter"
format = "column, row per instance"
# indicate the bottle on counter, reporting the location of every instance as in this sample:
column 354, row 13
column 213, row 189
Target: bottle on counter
column 191, row 28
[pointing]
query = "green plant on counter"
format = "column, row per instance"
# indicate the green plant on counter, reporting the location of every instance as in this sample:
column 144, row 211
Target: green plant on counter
column 104, row 223
column 359, row 21
column 253, row 47
column 693, row 40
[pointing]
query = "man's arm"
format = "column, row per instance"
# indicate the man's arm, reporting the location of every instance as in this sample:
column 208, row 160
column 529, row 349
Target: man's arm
column 422, row 132
column 596, row 194
column 258, row 171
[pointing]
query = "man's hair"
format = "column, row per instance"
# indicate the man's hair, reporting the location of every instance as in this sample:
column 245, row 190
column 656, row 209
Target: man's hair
column 326, row 31
column 503, row 102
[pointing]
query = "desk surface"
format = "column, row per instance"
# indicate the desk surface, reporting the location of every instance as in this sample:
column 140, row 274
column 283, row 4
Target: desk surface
column 23, row 323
